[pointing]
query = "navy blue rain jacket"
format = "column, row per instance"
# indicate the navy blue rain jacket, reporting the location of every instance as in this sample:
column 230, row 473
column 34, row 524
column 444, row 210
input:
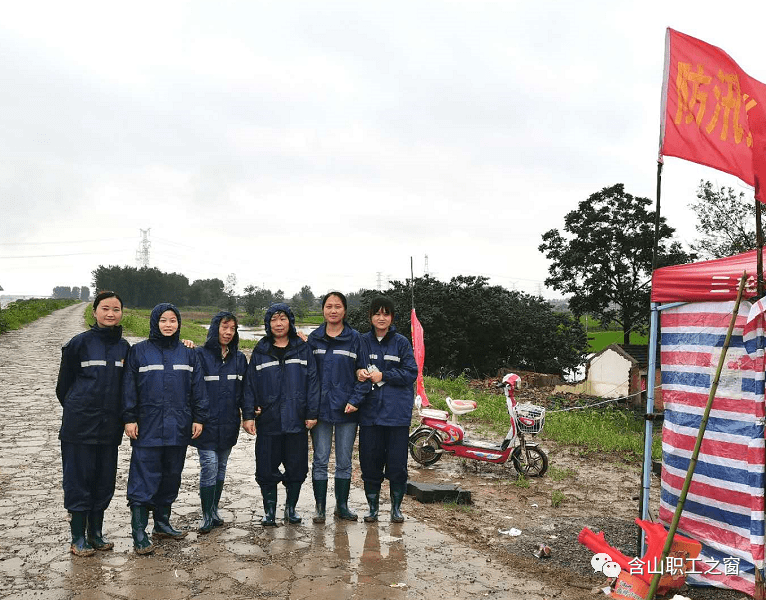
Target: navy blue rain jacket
column 224, row 388
column 287, row 391
column 162, row 388
column 337, row 359
column 389, row 403
column 90, row 386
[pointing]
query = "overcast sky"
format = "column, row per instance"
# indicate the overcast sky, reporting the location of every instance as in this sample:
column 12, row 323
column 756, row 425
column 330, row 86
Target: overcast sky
column 324, row 143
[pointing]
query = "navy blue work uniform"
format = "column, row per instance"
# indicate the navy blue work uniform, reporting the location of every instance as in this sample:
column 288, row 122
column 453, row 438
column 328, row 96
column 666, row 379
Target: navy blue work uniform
column 89, row 388
column 283, row 383
column 162, row 392
column 385, row 414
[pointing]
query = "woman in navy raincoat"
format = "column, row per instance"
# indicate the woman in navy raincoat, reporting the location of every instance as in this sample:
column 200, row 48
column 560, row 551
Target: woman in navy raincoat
column 386, row 413
column 283, row 392
column 164, row 408
column 223, row 368
column 89, row 388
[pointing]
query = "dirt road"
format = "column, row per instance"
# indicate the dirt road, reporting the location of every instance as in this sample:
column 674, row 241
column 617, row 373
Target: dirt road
column 240, row 560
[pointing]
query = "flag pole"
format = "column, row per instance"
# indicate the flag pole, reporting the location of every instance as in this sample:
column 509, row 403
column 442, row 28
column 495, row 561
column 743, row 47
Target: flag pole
column 657, row 215
column 412, row 284
column 759, row 242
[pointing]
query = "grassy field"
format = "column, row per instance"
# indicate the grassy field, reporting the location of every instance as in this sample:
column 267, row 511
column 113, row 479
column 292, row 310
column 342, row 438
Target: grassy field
column 599, row 338
column 19, row 313
column 601, row 429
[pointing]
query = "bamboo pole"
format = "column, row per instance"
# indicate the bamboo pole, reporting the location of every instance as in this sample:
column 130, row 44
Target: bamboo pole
column 698, row 444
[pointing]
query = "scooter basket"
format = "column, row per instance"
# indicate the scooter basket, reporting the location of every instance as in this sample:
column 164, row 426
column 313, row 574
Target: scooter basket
column 534, row 415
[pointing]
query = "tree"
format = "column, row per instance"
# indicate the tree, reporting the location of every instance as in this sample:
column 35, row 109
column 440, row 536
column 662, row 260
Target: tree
column 230, row 289
column 470, row 325
column 85, row 293
column 256, row 300
column 725, row 220
column 605, row 262
column 62, row 291
column 307, row 295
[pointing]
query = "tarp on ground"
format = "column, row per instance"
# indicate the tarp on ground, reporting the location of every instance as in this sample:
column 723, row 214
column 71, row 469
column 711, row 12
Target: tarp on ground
column 724, row 509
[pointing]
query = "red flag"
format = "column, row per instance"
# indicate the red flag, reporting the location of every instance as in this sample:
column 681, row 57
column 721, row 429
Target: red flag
column 419, row 348
column 713, row 112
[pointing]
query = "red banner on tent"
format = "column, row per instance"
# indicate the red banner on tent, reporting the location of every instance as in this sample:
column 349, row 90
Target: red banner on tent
column 419, row 348
column 713, row 112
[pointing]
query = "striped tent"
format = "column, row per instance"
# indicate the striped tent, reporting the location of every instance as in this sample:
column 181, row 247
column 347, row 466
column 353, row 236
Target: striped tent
column 724, row 509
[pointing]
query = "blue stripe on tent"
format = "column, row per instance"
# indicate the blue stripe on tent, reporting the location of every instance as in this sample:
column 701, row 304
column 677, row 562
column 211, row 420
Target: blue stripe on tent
column 747, row 429
column 752, row 386
column 700, row 380
column 720, row 473
column 716, row 513
column 710, row 340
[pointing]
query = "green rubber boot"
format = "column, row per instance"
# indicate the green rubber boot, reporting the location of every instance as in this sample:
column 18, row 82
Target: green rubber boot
column 207, row 499
column 217, row 520
column 342, row 489
column 95, row 531
column 372, row 491
column 320, row 497
column 293, row 493
column 80, row 545
column 162, row 526
column 397, row 490
column 269, row 493
column 139, row 519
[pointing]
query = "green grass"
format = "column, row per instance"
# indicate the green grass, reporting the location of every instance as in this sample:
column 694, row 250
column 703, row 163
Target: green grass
column 557, row 497
column 600, row 429
column 135, row 322
column 557, row 474
column 598, row 340
column 21, row 312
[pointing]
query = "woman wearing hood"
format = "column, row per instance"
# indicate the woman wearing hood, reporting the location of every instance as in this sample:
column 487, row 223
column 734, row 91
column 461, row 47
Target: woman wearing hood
column 164, row 407
column 89, row 388
column 283, row 392
column 223, row 369
column 337, row 349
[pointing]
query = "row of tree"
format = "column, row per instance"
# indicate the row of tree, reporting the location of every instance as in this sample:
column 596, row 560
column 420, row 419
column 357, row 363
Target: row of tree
column 76, row 292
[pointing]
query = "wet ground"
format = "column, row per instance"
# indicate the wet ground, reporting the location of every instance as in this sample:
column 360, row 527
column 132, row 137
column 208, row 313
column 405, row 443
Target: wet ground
column 417, row 559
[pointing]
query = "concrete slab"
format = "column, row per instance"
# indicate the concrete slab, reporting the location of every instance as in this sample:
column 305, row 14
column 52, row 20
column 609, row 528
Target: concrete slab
column 428, row 493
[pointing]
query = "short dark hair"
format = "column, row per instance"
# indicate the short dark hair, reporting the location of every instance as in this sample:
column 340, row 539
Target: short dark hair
column 339, row 295
column 381, row 302
column 103, row 296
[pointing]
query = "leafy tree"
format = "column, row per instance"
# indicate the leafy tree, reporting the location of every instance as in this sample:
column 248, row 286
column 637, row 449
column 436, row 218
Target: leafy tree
column 85, row 293
column 307, row 295
column 75, row 293
column 725, row 220
column 279, row 296
column 470, row 325
column 62, row 291
column 605, row 262
column 206, row 292
column 230, row 289
column 142, row 288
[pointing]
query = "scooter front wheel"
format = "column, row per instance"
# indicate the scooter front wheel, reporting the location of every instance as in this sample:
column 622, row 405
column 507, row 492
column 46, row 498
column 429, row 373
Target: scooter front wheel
column 424, row 445
column 532, row 463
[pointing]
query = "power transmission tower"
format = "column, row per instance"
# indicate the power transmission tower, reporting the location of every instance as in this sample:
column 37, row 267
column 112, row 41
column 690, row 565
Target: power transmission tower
column 142, row 254
column 425, row 267
column 380, row 282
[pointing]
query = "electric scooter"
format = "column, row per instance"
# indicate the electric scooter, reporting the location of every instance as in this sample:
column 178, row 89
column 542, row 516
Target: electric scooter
column 439, row 433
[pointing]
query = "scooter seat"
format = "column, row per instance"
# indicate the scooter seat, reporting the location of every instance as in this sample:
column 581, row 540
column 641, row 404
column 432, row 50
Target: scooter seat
column 461, row 407
column 434, row 413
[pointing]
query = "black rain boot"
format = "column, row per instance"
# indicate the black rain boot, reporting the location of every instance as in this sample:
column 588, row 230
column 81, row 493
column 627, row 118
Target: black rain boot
column 80, row 545
column 95, row 531
column 320, row 497
column 372, row 491
column 293, row 493
column 207, row 498
column 269, row 493
column 162, row 526
column 342, row 489
column 217, row 520
column 139, row 518
column 397, row 491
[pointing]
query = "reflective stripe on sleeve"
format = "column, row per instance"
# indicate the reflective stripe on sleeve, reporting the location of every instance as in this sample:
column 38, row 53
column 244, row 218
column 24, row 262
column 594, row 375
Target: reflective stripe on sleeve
column 146, row 368
column 391, row 357
column 320, row 351
column 230, row 377
column 118, row 363
column 345, row 353
column 374, row 356
column 211, row 377
column 93, row 363
column 183, row 368
column 296, row 361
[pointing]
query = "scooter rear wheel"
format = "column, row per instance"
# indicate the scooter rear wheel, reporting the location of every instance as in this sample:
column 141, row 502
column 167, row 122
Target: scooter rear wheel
column 534, row 464
column 423, row 447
